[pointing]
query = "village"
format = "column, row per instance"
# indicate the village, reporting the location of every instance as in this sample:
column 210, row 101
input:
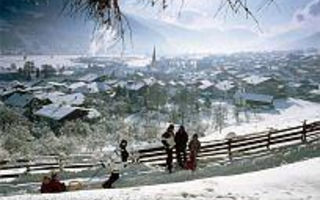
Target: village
column 114, row 98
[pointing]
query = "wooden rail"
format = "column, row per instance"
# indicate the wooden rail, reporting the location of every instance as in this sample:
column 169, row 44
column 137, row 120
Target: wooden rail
column 218, row 150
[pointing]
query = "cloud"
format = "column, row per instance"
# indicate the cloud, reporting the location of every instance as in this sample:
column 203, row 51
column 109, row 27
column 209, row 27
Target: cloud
column 311, row 12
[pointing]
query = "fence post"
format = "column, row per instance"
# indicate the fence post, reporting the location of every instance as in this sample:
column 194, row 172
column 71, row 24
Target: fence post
column 229, row 149
column 60, row 162
column 304, row 131
column 269, row 139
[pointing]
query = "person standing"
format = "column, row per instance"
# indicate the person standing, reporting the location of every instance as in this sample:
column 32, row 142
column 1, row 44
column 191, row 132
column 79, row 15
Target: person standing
column 113, row 166
column 181, row 140
column 123, row 151
column 194, row 147
column 167, row 140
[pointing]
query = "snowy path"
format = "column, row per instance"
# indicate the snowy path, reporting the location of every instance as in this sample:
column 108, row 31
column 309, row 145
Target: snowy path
column 294, row 181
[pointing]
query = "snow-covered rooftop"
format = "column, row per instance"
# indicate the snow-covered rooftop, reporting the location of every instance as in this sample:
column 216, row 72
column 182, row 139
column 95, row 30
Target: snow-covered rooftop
column 19, row 100
column 225, row 85
column 70, row 99
column 204, row 84
column 55, row 111
column 254, row 79
column 89, row 78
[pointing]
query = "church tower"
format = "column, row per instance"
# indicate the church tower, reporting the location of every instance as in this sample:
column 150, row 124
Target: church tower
column 154, row 57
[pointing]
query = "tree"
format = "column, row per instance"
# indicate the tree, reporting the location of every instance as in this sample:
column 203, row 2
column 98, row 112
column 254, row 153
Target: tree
column 28, row 69
column 47, row 70
column 13, row 67
column 220, row 113
column 37, row 73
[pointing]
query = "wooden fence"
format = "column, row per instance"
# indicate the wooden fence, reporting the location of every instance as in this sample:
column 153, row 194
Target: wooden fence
column 217, row 150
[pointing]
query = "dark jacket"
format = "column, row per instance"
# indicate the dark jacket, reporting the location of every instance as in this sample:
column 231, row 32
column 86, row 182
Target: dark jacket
column 56, row 186
column 181, row 139
column 45, row 188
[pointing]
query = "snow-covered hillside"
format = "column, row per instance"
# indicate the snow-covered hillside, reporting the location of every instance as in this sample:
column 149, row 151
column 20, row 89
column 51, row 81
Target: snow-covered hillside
column 286, row 113
column 295, row 181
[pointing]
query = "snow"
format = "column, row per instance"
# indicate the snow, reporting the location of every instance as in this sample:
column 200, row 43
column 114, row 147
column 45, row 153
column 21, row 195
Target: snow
column 225, row 85
column 54, row 60
column 77, row 85
column 254, row 79
column 300, row 180
column 89, row 78
column 286, row 113
column 70, row 99
column 137, row 61
column 205, row 84
column 56, row 112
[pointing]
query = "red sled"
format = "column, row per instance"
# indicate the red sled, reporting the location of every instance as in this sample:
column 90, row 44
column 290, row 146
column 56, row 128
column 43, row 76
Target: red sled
column 191, row 164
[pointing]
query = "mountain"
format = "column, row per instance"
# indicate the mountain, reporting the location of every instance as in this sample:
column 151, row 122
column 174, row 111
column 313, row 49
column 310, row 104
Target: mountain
column 41, row 29
column 311, row 41
column 291, row 40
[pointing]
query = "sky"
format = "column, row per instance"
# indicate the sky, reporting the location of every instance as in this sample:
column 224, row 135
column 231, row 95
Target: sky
column 278, row 16
column 179, row 27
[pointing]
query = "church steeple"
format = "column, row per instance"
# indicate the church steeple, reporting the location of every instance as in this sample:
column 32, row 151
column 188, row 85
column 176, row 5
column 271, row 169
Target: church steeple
column 154, row 57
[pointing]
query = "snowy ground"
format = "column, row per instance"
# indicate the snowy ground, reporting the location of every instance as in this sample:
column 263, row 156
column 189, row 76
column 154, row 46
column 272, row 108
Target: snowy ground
column 286, row 113
column 294, row 181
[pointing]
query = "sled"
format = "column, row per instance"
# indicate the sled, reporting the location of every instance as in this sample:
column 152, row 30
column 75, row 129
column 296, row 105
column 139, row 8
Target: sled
column 75, row 185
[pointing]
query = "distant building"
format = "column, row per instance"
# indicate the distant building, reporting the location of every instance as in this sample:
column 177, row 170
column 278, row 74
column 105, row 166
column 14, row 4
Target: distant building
column 253, row 99
column 26, row 101
column 154, row 58
column 60, row 113
column 88, row 78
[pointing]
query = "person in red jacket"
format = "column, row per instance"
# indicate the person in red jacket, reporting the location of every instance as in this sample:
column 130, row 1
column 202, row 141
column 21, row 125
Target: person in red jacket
column 55, row 185
column 194, row 147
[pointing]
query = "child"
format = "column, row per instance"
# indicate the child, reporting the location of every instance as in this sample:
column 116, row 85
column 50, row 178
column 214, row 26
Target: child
column 45, row 185
column 194, row 147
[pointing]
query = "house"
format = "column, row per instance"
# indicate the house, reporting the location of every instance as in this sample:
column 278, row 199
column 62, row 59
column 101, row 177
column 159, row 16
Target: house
column 253, row 99
column 52, row 96
column 205, row 84
column 78, row 87
column 24, row 100
column 135, row 86
column 272, row 86
column 225, row 85
column 255, row 79
column 56, row 112
column 88, row 78
column 74, row 99
column 58, row 86
column 97, row 87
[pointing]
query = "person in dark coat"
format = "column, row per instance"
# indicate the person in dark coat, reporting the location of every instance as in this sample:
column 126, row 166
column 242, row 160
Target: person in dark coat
column 55, row 185
column 123, row 151
column 194, row 147
column 45, row 185
column 167, row 140
column 181, row 140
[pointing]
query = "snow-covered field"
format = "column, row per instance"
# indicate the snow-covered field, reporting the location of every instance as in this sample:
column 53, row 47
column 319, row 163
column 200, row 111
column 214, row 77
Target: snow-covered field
column 289, row 182
column 286, row 113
